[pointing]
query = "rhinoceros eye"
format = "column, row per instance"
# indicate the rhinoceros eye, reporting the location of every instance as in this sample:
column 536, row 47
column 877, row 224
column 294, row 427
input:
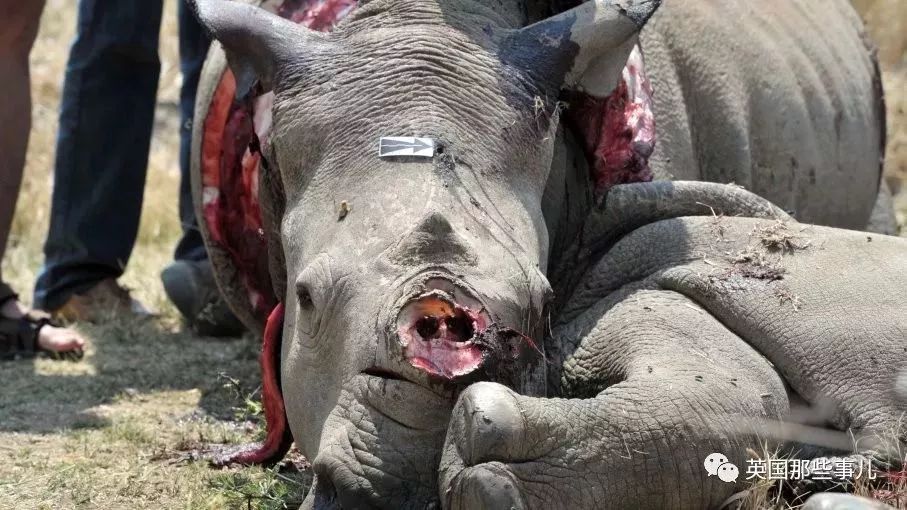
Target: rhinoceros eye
column 314, row 290
column 306, row 318
column 304, row 297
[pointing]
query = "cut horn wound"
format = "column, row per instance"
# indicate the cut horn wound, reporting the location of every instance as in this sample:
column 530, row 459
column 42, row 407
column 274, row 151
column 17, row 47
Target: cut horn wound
column 438, row 335
column 428, row 327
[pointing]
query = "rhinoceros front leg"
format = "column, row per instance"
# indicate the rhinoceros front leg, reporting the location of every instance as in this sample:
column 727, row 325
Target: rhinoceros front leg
column 826, row 306
column 693, row 298
column 666, row 386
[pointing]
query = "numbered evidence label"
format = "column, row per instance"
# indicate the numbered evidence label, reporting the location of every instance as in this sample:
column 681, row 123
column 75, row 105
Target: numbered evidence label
column 406, row 146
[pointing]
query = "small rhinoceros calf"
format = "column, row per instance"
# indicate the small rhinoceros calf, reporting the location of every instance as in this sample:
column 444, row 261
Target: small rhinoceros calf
column 490, row 320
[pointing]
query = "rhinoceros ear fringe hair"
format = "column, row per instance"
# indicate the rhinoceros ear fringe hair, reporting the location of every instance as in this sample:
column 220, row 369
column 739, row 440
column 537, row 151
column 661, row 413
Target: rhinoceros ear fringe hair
column 593, row 39
column 257, row 43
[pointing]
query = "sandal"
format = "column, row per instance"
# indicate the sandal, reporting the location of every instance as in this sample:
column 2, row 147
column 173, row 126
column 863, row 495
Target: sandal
column 19, row 337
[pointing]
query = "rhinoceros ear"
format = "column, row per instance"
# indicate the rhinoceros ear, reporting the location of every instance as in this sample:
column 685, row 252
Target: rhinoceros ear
column 257, row 43
column 587, row 47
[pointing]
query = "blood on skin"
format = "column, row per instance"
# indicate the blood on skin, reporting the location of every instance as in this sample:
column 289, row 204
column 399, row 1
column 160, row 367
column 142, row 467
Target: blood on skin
column 278, row 439
column 230, row 208
column 618, row 131
column 438, row 335
column 316, row 14
column 232, row 216
column 443, row 338
column 229, row 168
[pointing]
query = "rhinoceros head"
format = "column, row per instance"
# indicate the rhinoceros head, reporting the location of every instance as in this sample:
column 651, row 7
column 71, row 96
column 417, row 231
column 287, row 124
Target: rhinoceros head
column 409, row 276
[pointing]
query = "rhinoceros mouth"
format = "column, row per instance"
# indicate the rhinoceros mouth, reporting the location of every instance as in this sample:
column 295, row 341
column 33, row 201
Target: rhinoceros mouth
column 383, row 373
column 393, row 396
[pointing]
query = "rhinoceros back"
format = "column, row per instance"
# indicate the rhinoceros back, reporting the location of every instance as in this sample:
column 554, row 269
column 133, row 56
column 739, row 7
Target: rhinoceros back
column 780, row 96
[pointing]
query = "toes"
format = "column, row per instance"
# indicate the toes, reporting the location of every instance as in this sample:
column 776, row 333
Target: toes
column 69, row 342
column 487, row 424
column 485, row 432
column 59, row 340
column 486, row 486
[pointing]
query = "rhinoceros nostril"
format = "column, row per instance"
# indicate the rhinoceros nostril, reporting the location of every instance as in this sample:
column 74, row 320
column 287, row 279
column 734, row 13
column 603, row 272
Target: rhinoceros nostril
column 427, row 327
column 440, row 329
column 454, row 328
column 459, row 327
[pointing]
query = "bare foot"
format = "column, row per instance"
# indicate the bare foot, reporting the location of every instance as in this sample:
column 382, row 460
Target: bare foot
column 49, row 338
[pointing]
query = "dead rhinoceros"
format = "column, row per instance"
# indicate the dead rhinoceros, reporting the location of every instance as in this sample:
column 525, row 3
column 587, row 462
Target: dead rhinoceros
column 418, row 201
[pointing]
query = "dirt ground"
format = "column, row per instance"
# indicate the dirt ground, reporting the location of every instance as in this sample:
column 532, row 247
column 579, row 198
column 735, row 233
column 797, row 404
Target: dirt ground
column 120, row 429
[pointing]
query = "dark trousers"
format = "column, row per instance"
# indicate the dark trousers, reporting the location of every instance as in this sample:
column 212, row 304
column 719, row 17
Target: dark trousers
column 106, row 118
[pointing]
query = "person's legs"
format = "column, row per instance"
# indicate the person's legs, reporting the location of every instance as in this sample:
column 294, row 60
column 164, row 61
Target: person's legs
column 17, row 34
column 189, row 280
column 102, row 147
column 194, row 43
column 18, row 29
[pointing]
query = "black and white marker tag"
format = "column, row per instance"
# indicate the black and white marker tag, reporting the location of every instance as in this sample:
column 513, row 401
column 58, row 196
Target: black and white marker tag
column 406, row 146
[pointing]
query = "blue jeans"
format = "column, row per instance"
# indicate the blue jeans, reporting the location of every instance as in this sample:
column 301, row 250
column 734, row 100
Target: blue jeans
column 106, row 119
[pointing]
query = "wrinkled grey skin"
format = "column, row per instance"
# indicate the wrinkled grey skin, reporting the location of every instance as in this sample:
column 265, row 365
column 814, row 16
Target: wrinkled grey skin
column 675, row 340
column 653, row 362
column 784, row 100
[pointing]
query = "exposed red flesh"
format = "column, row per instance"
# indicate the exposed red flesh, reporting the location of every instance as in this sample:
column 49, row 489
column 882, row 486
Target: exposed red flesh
column 618, row 131
column 316, row 14
column 437, row 336
column 618, row 134
column 230, row 193
column 278, row 439
column 230, row 168
column 232, row 215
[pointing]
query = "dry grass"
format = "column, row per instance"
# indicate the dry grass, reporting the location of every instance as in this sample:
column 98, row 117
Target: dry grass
column 887, row 21
column 120, row 429
column 869, row 479
column 114, row 430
